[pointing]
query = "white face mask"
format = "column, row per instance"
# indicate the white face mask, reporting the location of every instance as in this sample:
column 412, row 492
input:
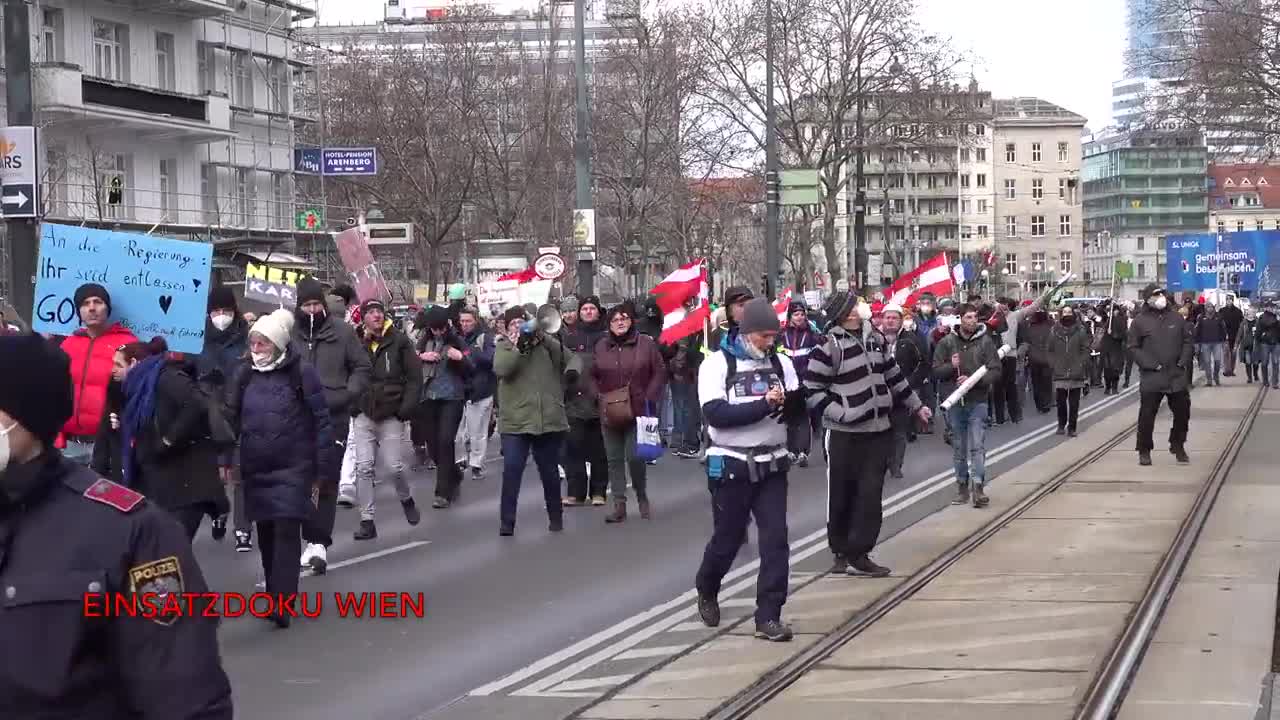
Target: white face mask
column 222, row 322
column 1159, row 302
column 864, row 311
column 263, row 359
column 5, row 450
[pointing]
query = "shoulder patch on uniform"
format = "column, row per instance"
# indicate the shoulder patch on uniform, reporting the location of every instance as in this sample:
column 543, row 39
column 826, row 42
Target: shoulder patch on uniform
column 117, row 496
column 162, row 580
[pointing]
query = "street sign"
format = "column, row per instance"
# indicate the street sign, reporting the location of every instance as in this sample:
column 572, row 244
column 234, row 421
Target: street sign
column 349, row 161
column 19, row 172
column 310, row 219
column 306, row 161
column 584, row 228
column 549, row 267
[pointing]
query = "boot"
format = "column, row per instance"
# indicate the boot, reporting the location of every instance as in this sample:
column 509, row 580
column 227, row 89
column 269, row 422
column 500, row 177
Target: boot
column 644, row 507
column 619, row 514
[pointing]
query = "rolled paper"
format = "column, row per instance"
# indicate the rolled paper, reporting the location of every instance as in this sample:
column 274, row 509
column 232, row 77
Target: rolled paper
column 972, row 380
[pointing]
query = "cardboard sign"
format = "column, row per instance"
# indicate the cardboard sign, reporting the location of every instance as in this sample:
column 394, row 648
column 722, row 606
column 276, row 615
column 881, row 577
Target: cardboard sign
column 358, row 261
column 158, row 286
column 493, row 298
column 272, row 285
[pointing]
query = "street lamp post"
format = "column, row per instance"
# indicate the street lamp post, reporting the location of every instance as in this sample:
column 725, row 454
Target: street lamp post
column 581, row 148
column 772, row 251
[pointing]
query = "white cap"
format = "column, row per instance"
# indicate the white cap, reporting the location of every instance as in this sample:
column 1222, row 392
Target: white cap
column 276, row 328
column 892, row 308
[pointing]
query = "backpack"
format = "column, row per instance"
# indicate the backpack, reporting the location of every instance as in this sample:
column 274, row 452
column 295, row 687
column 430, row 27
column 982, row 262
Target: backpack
column 221, row 431
column 731, row 368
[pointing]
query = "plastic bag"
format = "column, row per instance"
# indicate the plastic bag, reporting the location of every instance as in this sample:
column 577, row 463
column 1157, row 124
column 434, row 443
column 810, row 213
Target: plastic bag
column 648, row 440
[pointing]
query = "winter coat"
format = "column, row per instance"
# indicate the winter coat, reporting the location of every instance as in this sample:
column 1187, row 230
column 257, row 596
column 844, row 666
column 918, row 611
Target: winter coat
column 686, row 358
column 339, row 359
column 1267, row 330
column 448, row 378
column 1035, row 332
column 580, row 395
column 1233, row 318
column 1069, row 350
column 1161, row 345
column 107, row 458
column 912, row 355
column 1247, row 341
column 975, row 351
column 184, row 470
column 91, row 360
column 396, row 378
column 531, row 386
column 286, row 439
column 1210, row 330
column 481, row 382
column 224, row 351
column 632, row 361
column 1115, row 329
column 797, row 343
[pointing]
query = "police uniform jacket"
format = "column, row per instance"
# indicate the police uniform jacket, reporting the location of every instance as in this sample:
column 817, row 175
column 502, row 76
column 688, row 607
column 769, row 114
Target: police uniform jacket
column 70, row 541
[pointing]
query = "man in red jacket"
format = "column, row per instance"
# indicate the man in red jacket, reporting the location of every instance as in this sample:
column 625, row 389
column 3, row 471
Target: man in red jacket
column 91, row 349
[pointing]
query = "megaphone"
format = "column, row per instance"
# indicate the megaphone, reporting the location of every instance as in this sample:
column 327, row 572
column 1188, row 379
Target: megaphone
column 549, row 320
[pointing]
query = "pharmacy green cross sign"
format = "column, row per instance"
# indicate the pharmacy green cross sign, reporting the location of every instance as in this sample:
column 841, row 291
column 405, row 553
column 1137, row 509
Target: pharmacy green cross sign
column 310, row 219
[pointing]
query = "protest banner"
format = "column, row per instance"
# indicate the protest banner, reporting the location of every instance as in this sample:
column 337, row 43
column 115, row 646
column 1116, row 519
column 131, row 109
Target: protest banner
column 367, row 279
column 272, row 285
column 493, row 298
column 159, row 286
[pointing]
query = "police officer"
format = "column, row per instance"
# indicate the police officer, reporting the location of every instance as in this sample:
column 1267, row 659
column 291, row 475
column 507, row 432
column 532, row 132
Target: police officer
column 748, row 393
column 71, row 545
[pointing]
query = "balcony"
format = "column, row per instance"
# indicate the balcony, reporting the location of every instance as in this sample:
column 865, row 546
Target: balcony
column 182, row 8
column 76, row 102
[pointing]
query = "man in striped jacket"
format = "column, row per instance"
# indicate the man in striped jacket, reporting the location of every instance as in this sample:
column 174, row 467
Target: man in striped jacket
column 854, row 383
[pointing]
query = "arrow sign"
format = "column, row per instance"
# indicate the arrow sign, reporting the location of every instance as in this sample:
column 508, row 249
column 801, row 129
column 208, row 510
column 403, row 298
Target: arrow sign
column 20, row 199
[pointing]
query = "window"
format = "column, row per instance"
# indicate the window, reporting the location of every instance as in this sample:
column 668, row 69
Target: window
column 1011, row 263
column 209, row 193
column 1010, row 152
column 982, row 207
column 1064, row 225
column 110, row 53
column 980, row 154
column 55, row 178
column 1239, row 226
column 1037, row 226
column 1142, row 243
column 1142, row 270
column 964, row 155
column 1011, row 225
column 1064, row 150
column 279, row 88
column 115, row 175
column 1064, row 262
column 964, row 180
column 1035, row 152
column 966, row 232
column 979, row 129
column 284, row 204
column 206, row 68
column 1257, row 225
column 242, row 70
column 1062, row 188
column 164, row 62
column 982, row 231
column 1037, row 189
column 964, row 207
column 1010, row 191
column 1037, row 262
column 51, row 35
column 244, row 195
column 1222, row 227
column 981, row 180
column 169, row 190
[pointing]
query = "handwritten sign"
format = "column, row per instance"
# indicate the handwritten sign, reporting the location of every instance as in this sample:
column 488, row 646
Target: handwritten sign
column 272, row 285
column 158, row 286
column 353, row 247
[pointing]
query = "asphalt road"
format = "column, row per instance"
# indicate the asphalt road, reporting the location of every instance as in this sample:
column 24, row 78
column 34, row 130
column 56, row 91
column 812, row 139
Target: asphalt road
column 496, row 605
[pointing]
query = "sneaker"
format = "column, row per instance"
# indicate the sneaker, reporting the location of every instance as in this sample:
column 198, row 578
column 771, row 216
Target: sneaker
column 307, row 553
column 792, row 457
column 244, row 541
column 506, row 531
column 346, row 497
column 864, row 567
column 709, row 610
column 411, row 511
column 1180, row 455
column 896, row 474
column 366, row 531
column 477, row 473
column 773, row 631
column 962, row 494
column 980, row 499
column 1061, row 430
column 840, row 566
column 319, row 558
column 1071, row 433
column 219, row 527
column 440, row 503
column 556, row 524
column 1144, row 458
column 597, row 501
column 802, row 460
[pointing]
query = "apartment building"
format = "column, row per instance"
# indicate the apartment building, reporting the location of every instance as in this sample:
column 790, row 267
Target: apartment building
column 177, row 117
column 1037, row 202
column 1243, row 197
column 1140, row 187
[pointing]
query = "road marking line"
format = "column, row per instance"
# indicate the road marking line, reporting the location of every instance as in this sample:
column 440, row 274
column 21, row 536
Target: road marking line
column 817, row 538
column 372, row 556
column 597, row 682
column 689, row 627
column 650, row 652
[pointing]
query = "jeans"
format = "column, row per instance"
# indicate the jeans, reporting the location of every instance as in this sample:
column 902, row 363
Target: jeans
column 968, row 443
column 585, row 444
column 1179, row 405
column 856, row 465
column 317, row 527
column 735, row 500
column 1211, row 361
column 378, row 441
column 472, row 441
column 1068, row 407
column 546, row 456
column 440, row 420
column 686, row 430
column 620, row 448
column 1269, row 357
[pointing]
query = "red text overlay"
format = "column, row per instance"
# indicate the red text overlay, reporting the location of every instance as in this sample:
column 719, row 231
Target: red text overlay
column 173, row 605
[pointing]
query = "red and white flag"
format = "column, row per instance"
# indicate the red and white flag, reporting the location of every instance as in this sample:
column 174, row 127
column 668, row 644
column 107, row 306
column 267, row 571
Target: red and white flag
column 521, row 276
column 780, row 306
column 933, row 276
column 689, row 281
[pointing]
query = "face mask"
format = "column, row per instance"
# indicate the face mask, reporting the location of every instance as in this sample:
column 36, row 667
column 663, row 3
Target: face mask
column 222, row 322
column 1068, row 319
column 1159, row 302
column 4, row 446
column 262, row 359
column 864, row 311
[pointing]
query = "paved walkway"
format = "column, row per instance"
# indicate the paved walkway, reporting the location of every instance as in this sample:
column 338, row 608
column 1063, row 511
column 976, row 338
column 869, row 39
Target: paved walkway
column 1014, row 630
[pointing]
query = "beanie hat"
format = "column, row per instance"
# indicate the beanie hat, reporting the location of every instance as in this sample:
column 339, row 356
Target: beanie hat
column 839, row 306
column 93, row 290
column 222, row 297
column 436, row 317
column 794, row 307
column 758, row 316
column 1151, row 289
column 371, row 304
column 515, row 312
column 37, row 388
column 625, row 306
column 309, row 290
column 457, row 291
column 346, row 293
column 568, row 304
column 737, row 293
column 590, row 300
column 276, row 328
column 893, row 308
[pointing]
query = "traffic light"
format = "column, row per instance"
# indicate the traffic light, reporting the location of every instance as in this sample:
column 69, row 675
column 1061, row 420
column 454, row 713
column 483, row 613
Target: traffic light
column 115, row 193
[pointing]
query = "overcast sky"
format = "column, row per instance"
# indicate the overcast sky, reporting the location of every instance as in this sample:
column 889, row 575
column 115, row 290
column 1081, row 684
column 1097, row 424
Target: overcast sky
column 1065, row 51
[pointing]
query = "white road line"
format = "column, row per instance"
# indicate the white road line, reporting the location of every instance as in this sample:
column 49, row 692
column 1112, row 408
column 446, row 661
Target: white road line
column 651, row 652
column 596, row 682
column 806, row 547
column 373, row 556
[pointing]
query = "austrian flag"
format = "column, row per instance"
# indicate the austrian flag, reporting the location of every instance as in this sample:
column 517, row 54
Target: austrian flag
column 689, row 281
column 933, row 276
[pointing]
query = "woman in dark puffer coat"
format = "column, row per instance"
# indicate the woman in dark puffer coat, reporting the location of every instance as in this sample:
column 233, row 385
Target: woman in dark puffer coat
column 277, row 405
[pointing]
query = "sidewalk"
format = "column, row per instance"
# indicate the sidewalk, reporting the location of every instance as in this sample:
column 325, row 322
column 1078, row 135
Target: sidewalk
column 1011, row 631
column 1211, row 656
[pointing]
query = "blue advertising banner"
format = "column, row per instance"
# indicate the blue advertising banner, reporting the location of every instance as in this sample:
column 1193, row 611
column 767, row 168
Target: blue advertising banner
column 349, row 161
column 306, row 160
column 1251, row 261
column 158, row 286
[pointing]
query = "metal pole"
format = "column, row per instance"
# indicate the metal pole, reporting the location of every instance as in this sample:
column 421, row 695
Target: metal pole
column 581, row 147
column 859, row 237
column 21, row 232
column 772, row 252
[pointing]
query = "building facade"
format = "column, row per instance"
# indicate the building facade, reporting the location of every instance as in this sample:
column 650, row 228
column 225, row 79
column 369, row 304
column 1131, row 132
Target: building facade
column 1243, row 197
column 1037, row 199
column 1140, row 187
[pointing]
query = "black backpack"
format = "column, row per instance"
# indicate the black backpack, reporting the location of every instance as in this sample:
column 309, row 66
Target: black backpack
column 731, row 368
